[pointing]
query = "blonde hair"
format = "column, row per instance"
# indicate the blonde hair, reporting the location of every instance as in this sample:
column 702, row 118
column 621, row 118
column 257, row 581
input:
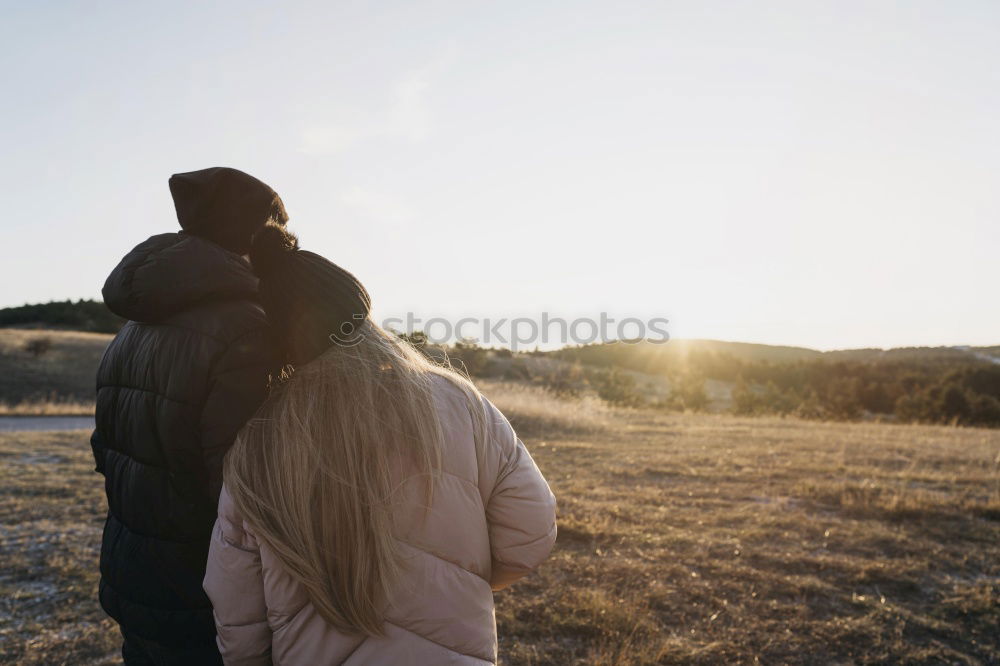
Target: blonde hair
column 316, row 471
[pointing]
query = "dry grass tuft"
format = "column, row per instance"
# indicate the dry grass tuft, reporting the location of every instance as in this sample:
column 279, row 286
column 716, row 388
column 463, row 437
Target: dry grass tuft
column 537, row 412
column 51, row 407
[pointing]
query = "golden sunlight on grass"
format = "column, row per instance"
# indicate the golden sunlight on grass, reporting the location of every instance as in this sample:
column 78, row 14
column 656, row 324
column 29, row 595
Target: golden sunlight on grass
column 714, row 539
column 534, row 410
column 48, row 372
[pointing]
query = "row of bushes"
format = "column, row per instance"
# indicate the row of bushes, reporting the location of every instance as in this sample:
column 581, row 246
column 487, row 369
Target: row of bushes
column 936, row 386
column 906, row 392
column 929, row 390
column 952, row 399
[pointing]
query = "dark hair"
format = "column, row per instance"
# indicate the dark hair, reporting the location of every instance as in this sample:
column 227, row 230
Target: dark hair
column 278, row 213
column 310, row 302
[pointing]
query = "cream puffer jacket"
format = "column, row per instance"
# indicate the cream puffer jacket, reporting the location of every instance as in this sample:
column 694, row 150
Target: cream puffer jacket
column 492, row 521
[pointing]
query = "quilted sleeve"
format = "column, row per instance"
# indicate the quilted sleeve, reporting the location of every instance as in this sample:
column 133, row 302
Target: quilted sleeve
column 521, row 510
column 234, row 582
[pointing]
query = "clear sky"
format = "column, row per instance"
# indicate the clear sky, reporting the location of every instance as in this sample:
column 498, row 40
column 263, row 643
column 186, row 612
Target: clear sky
column 823, row 174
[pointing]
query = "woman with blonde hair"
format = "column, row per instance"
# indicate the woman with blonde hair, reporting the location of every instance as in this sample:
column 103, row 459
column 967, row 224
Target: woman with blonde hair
column 374, row 502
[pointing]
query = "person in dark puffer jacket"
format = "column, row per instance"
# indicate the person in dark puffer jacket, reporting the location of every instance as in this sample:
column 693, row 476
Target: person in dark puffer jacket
column 173, row 389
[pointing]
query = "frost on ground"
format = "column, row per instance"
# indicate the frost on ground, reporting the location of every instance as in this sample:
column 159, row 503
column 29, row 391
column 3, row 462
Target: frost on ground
column 51, row 517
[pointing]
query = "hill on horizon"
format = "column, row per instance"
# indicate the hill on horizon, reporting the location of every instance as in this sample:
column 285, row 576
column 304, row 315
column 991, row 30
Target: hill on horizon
column 748, row 351
column 658, row 357
column 84, row 315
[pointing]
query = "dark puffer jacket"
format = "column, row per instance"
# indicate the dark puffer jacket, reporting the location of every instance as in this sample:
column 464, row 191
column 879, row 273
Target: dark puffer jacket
column 173, row 389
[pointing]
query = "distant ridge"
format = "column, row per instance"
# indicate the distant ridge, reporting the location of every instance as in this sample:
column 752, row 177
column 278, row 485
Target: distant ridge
column 83, row 315
column 647, row 356
column 747, row 351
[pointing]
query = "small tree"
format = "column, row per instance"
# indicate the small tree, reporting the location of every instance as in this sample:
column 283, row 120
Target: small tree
column 618, row 388
column 467, row 354
column 744, row 400
column 810, row 407
column 954, row 405
column 565, row 379
column 985, row 411
column 688, row 393
column 841, row 398
column 915, row 407
column 776, row 401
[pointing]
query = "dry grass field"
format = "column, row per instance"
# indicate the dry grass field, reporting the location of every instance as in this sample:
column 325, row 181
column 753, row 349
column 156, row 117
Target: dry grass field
column 57, row 378
column 683, row 539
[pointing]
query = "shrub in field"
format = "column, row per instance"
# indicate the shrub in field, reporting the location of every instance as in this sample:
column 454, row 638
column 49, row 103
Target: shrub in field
column 688, row 393
column 470, row 357
column 564, row 379
column 949, row 403
column 842, row 398
column 769, row 399
column 811, row 407
column 986, row 410
column 38, row 347
column 617, row 388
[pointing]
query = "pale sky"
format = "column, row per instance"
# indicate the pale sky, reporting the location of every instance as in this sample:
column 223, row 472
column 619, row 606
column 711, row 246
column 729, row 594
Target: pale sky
column 823, row 174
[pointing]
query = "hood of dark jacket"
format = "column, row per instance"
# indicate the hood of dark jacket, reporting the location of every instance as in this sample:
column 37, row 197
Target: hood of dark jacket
column 170, row 273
